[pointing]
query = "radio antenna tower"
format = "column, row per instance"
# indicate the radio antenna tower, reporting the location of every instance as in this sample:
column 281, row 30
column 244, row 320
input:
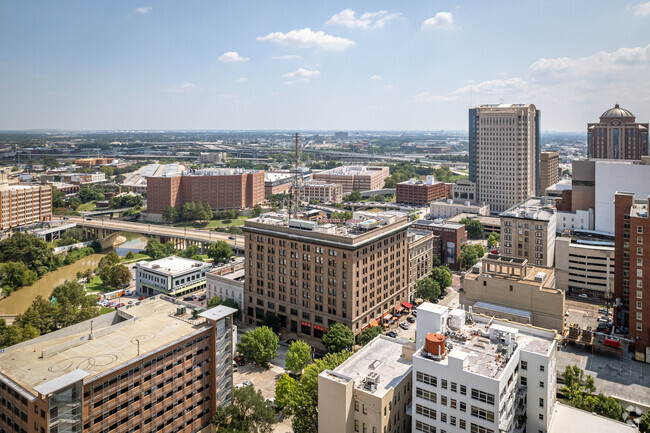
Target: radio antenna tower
column 297, row 184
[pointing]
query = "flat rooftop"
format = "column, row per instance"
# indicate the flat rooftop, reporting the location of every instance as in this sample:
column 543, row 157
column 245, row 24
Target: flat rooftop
column 272, row 177
column 535, row 208
column 112, row 345
column 436, row 224
column 353, row 170
column 484, row 219
column 237, row 275
column 172, row 265
column 569, row 419
column 383, row 356
column 458, row 202
column 479, row 347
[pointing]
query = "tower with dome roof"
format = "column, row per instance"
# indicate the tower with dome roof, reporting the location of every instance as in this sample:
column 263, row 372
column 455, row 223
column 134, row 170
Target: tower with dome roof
column 617, row 136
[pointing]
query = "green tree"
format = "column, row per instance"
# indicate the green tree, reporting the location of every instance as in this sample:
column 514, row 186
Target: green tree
column 257, row 210
column 157, row 250
column 493, row 240
column 16, row 274
column 108, row 260
column 470, row 254
column 474, row 228
column 170, row 214
column 191, row 252
column 107, row 170
column 220, row 251
column 129, row 256
column 58, row 198
column 427, row 289
column 214, row 301
column 71, row 236
column 259, row 345
column 50, row 162
column 31, row 250
column 249, row 413
column 341, row 216
column 298, row 356
column 208, row 211
column 90, row 194
column 231, row 214
column 354, row 196
column 338, row 338
column 119, row 276
column 188, row 211
column 368, row 334
column 576, row 383
column 442, row 276
column 644, row 425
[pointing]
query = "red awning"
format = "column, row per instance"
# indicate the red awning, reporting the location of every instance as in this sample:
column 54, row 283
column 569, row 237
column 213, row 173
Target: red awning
column 320, row 328
column 399, row 309
column 407, row 305
column 374, row 323
column 306, row 324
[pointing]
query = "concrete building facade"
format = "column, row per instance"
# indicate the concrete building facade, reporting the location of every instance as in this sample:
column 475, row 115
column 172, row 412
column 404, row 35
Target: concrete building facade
column 355, row 177
column 227, row 188
column 585, row 266
column 505, row 152
column 369, row 392
column 227, row 286
column 21, row 205
column 146, row 367
column 510, row 288
column 617, row 136
column 474, row 373
column 632, row 278
column 450, row 208
column 172, row 275
column 420, row 192
column 464, row 189
column 322, row 191
column 549, row 166
column 312, row 275
column 421, row 249
column 528, row 231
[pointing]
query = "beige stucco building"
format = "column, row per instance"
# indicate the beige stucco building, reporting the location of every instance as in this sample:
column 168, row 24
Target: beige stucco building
column 421, row 246
column 448, row 208
column 21, row 205
column 510, row 288
column 324, row 192
column 370, row 392
column 355, row 177
column 550, row 163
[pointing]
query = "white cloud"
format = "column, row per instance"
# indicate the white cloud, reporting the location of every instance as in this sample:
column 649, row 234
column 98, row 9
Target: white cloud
column 388, row 86
column 642, row 10
column 307, row 38
column 430, row 98
column 440, row 21
column 144, row 10
column 367, row 20
column 376, row 78
column 286, row 57
column 185, row 86
column 241, row 80
column 301, row 75
column 493, row 87
column 231, row 57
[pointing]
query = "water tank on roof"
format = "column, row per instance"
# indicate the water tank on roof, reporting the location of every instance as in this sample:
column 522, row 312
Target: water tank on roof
column 434, row 344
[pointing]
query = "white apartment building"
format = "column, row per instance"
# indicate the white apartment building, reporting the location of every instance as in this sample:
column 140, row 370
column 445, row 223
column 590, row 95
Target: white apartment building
column 227, row 286
column 448, row 208
column 506, row 151
column 172, row 275
column 578, row 220
column 474, row 374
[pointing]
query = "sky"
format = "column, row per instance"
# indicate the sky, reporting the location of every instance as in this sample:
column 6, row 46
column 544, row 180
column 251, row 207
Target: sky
column 317, row 65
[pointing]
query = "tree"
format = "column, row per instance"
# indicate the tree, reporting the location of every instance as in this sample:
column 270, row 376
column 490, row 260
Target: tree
column 367, row 335
column 208, row 211
column 259, row 345
column 230, row 214
column 338, row 338
column 107, row 170
column 220, row 251
column 214, row 301
column 31, row 250
column 257, row 210
column 119, row 276
column 50, row 162
column 87, row 194
column 579, row 390
column 249, row 413
column 16, row 274
column 493, row 240
column 170, row 214
column 157, row 250
column 470, row 254
column 442, row 276
column 427, row 289
column 188, row 211
column 129, row 255
column 298, row 356
column 191, row 252
column 108, row 260
column 644, row 425
column 284, row 390
column 354, row 196
column 474, row 228
column 576, row 382
column 341, row 216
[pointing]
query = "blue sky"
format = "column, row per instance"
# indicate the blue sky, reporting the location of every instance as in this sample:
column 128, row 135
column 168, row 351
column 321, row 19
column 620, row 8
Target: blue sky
column 331, row 65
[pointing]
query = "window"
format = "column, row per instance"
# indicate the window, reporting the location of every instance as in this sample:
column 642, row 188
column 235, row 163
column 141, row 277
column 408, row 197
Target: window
column 443, row 400
column 365, row 411
column 452, row 403
column 423, row 393
column 639, row 251
column 639, row 315
column 463, row 390
column 443, row 417
column 482, row 413
column 425, row 378
column 452, row 420
column 424, row 427
column 541, row 402
column 356, row 425
column 425, row 411
column 541, row 416
column 463, row 406
column 482, row 396
column 356, row 406
column 524, row 365
column 443, row 383
column 639, row 229
column 541, row 368
column 461, row 424
column 479, row 429
column 454, row 387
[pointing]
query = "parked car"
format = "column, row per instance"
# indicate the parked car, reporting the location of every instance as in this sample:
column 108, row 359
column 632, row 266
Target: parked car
column 404, row 325
column 188, row 298
column 243, row 384
column 141, row 298
column 131, row 302
column 583, row 296
column 203, row 297
column 392, row 334
column 232, row 238
column 270, row 402
column 604, row 311
column 566, row 313
column 415, row 313
column 411, row 319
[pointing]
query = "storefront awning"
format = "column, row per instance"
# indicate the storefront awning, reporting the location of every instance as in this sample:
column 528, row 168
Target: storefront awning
column 374, row 323
column 387, row 316
column 399, row 309
column 407, row 305
column 318, row 328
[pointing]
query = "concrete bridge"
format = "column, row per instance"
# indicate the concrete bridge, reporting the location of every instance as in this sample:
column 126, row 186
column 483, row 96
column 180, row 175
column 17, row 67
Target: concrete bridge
column 108, row 230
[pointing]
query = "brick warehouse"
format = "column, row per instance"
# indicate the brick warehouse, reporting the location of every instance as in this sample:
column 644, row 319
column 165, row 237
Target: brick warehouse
column 225, row 188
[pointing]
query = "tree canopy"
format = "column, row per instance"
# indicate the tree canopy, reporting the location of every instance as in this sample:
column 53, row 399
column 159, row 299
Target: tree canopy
column 31, row 250
column 259, row 345
column 157, row 250
column 220, row 251
column 338, row 338
column 427, row 289
column 470, row 254
column 474, row 228
column 368, row 334
column 442, row 276
column 249, row 413
column 579, row 390
column 298, row 356
column 353, row 196
column 493, row 240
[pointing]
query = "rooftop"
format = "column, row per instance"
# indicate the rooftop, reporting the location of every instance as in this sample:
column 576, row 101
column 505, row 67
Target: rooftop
column 617, row 111
column 569, row 419
column 430, row 180
column 535, row 208
column 353, row 170
column 382, row 356
column 457, row 202
column 146, row 326
column 273, row 176
column 438, row 224
column 172, row 265
column 484, row 219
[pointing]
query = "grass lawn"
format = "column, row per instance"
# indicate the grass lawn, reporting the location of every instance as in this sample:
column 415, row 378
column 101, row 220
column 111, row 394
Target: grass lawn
column 105, row 310
column 96, row 285
column 90, row 206
column 137, row 258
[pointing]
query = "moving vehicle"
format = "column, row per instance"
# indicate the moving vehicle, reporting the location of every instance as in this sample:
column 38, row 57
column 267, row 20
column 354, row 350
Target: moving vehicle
column 203, row 297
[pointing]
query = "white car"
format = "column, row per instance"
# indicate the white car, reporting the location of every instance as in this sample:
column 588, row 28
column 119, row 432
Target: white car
column 583, row 296
column 243, row 384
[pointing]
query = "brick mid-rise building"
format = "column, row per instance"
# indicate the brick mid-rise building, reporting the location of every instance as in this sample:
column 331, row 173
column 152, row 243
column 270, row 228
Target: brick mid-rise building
column 355, row 177
column 227, row 188
column 617, row 136
column 312, row 275
column 449, row 238
column 421, row 192
column 21, row 205
column 144, row 368
column 549, row 170
column 631, row 283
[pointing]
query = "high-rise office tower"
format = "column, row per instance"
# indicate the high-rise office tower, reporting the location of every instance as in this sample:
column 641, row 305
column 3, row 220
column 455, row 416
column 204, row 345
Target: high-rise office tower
column 504, row 153
column 617, row 136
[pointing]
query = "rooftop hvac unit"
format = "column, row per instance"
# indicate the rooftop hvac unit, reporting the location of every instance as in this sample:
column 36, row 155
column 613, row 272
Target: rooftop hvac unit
column 372, row 381
column 476, row 269
column 539, row 277
column 181, row 310
column 155, row 266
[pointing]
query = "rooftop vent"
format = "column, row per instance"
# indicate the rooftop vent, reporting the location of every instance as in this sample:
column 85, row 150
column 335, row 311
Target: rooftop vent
column 539, row 277
column 372, row 381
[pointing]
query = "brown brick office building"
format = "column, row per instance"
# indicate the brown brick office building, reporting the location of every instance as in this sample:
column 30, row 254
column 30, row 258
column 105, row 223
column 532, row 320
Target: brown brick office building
column 312, row 275
column 449, row 239
column 140, row 369
column 226, row 188
column 631, row 283
column 421, row 192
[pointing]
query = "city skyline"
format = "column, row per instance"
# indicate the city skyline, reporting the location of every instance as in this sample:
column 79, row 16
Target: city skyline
column 335, row 66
